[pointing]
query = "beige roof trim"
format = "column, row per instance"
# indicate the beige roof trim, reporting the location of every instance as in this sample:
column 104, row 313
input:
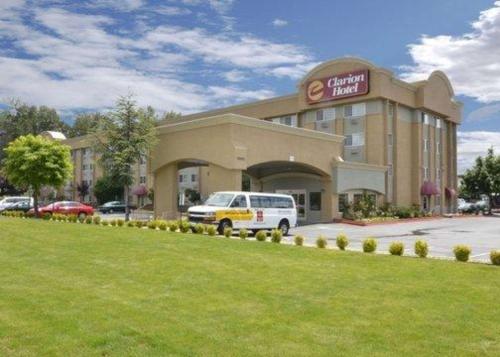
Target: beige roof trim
column 247, row 121
column 359, row 166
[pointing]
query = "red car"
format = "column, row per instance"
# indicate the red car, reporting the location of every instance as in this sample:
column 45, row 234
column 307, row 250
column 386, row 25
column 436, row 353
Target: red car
column 67, row 207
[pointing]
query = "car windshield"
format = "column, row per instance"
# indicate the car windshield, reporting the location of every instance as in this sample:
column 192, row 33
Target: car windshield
column 219, row 199
column 114, row 203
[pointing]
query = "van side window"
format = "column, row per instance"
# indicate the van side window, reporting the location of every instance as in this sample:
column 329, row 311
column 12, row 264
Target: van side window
column 255, row 202
column 240, row 201
column 282, row 202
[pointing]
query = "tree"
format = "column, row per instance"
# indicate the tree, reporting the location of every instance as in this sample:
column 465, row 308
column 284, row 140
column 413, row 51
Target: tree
column 34, row 162
column 129, row 133
column 7, row 189
column 106, row 189
column 483, row 178
column 82, row 189
column 85, row 124
column 170, row 116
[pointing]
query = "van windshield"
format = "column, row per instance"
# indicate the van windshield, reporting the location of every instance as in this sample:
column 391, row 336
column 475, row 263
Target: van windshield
column 219, row 199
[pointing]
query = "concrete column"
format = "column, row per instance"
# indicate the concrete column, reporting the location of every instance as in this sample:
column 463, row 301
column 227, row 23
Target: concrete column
column 165, row 188
column 329, row 201
column 221, row 179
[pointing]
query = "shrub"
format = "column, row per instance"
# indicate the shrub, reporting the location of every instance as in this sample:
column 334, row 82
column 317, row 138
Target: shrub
column 73, row 218
column 199, row 228
column 140, row 224
column 342, row 241
column 162, row 225
column 46, row 216
column 104, row 222
column 369, row 245
column 261, row 236
column 421, row 248
column 184, row 227
column 81, row 219
column 173, row 226
column 321, row 242
column 495, row 257
column 298, row 240
column 228, row 232
column 112, row 222
column 243, row 233
column 396, row 248
column 276, row 235
column 96, row 220
column 120, row 222
column 462, row 252
column 211, row 230
column 152, row 224
column 131, row 224
column 88, row 220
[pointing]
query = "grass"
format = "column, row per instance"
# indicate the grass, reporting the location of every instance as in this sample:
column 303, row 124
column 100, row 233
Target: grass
column 75, row 289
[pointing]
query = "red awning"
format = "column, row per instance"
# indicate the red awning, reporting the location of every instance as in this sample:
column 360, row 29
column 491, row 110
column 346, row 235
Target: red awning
column 450, row 192
column 140, row 190
column 429, row 189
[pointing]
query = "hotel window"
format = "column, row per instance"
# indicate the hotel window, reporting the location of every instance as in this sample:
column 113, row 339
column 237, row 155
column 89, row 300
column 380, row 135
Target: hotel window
column 389, row 169
column 357, row 139
column 319, row 115
column 355, row 110
column 84, row 167
column 289, row 120
column 438, row 174
column 142, row 179
column 329, row 114
column 426, row 173
column 425, row 118
column 438, row 123
column 426, row 145
column 315, row 201
column 343, row 202
column 181, row 178
column 391, row 110
column 193, row 178
column 142, row 159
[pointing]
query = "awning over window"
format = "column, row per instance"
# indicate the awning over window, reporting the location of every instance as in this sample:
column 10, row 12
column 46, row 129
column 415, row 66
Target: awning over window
column 140, row 190
column 358, row 176
column 429, row 189
column 450, row 192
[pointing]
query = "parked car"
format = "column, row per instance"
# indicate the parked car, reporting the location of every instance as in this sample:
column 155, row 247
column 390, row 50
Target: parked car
column 111, row 207
column 7, row 201
column 66, row 207
column 464, row 206
column 23, row 206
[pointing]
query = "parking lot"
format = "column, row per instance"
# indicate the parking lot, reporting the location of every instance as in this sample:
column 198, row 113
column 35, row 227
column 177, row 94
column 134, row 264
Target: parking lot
column 481, row 233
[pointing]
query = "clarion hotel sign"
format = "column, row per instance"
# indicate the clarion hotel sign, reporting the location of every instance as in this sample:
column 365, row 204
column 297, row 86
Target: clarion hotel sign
column 339, row 86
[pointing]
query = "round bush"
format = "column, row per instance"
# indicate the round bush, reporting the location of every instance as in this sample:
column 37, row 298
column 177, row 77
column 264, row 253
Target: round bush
column 199, row 228
column 211, row 230
column 228, row 232
column 113, row 222
column 261, row 236
column 243, row 233
column 162, row 225
column 97, row 220
column 462, row 252
column 152, row 224
column 298, row 240
column 276, row 235
column 46, row 216
column 131, row 224
column 184, row 227
column 421, row 248
column 342, row 241
column 104, row 222
column 396, row 248
column 321, row 242
column 495, row 257
column 120, row 222
column 369, row 245
column 139, row 224
column 173, row 226
column 88, row 220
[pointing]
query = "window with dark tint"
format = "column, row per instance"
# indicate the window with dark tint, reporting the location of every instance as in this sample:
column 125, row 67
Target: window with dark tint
column 342, row 202
column 315, row 201
column 239, row 201
column 282, row 202
column 255, row 201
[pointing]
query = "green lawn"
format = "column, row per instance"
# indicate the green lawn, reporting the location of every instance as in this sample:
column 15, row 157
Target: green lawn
column 73, row 289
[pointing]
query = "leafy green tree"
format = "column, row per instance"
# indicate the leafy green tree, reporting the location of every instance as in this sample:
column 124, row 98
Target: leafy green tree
column 86, row 124
column 129, row 133
column 34, row 162
column 106, row 189
column 483, row 178
column 171, row 115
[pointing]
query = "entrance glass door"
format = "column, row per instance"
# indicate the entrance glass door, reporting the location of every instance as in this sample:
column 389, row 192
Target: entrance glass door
column 299, row 197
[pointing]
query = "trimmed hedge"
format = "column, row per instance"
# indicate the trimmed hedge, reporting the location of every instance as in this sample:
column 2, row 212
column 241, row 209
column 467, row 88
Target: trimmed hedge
column 369, row 245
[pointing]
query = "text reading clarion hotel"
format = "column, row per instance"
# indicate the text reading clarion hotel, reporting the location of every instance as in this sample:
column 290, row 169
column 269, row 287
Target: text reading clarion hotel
column 352, row 128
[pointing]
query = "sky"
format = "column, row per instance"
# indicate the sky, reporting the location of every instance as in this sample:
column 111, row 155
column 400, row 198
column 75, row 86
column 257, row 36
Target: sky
column 195, row 55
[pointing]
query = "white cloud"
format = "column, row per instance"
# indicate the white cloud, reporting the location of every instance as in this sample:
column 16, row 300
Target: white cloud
column 472, row 144
column 470, row 60
column 235, row 76
column 279, row 22
column 74, row 61
column 171, row 10
column 485, row 113
column 121, row 5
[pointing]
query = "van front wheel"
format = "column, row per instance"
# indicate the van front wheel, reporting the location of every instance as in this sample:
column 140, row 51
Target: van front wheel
column 284, row 227
column 225, row 223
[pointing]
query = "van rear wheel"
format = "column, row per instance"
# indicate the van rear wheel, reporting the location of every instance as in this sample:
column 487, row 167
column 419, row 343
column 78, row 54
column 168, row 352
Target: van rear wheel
column 284, row 227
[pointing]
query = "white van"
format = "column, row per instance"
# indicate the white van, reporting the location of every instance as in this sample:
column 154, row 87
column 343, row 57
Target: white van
column 250, row 210
column 7, row 201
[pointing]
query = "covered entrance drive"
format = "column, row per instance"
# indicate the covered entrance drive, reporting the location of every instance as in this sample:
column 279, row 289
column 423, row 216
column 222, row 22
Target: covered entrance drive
column 275, row 157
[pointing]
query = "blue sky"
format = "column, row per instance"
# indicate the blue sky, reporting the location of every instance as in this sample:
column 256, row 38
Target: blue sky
column 193, row 55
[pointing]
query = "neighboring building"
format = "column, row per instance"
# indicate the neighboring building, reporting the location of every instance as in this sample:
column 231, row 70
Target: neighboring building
column 351, row 128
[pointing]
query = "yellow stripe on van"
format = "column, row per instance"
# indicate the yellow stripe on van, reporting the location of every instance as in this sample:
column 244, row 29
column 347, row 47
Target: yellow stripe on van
column 234, row 215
